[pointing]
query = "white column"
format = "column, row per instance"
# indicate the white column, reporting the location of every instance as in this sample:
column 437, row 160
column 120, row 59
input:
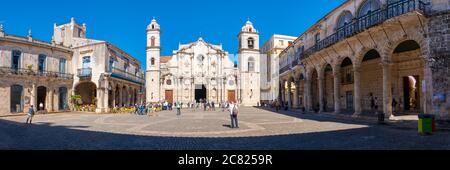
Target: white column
column 357, row 89
column 337, row 96
column 387, row 93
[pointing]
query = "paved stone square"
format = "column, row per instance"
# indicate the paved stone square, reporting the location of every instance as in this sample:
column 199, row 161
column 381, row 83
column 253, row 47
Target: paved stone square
column 259, row 129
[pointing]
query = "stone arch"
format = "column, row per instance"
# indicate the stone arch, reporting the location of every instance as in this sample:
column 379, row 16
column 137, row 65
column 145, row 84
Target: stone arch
column 388, row 50
column 87, row 90
column 343, row 16
column 408, row 71
column 360, row 12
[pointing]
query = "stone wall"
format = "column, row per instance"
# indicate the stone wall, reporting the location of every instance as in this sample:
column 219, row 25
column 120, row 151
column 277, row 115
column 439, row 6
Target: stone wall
column 439, row 43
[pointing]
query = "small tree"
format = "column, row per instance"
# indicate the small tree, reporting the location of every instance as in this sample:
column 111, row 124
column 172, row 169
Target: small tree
column 76, row 101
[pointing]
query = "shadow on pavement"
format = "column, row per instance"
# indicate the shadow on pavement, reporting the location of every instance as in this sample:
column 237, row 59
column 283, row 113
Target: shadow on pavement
column 45, row 136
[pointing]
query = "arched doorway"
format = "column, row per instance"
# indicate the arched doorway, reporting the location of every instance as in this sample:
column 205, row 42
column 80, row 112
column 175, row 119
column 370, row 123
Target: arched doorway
column 200, row 92
column 328, row 89
column 407, row 77
column 41, row 97
column 62, row 98
column 16, row 99
column 88, row 92
column 347, row 81
column 315, row 91
column 371, row 81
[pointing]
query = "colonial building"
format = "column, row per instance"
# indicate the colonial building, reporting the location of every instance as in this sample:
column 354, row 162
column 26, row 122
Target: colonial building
column 270, row 66
column 105, row 75
column 33, row 72
column 372, row 51
column 200, row 70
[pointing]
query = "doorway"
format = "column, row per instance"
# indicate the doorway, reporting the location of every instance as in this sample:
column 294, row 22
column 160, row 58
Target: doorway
column 349, row 100
column 200, row 92
column 411, row 96
column 169, row 96
column 232, row 96
column 41, row 96
column 16, row 99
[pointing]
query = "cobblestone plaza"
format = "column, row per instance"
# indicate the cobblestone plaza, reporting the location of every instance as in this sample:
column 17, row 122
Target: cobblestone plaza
column 259, row 129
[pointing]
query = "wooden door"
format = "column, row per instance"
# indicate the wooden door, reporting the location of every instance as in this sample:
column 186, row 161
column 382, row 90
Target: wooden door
column 231, row 96
column 169, row 96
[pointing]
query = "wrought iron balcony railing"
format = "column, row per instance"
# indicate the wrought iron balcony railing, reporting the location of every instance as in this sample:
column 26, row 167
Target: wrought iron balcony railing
column 41, row 73
column 392, row 9
column 122, row 74
column 85, row 72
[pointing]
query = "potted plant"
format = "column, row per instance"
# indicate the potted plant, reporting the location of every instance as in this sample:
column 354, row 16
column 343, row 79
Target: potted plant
column 29, row 69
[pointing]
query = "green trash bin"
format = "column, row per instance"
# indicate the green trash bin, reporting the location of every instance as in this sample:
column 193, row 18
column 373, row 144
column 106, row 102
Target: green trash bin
column 425, row 124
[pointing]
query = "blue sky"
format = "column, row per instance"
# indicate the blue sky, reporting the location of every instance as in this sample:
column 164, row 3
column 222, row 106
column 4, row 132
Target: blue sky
column 123, row 22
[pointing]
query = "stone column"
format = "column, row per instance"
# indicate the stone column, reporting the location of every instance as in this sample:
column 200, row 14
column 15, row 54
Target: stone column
column 357, row 89
column 106, row 97
column 308, row 94
column 120, row 96
column 283, row 95
column 295, row 101
column 50, row 102
column 387, row 93
column 337, row 96
column 320, row 83
column 100, row 97
column 113, row 95
column 288, row 93
column 33, row 97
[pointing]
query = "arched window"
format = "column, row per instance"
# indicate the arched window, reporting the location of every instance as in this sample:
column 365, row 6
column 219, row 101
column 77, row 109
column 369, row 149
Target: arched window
column 368, row 6
column 251, row 43
column 153, row 41
column 251, row 64
column 153, row 27
column 345, row 18
column 152, row 61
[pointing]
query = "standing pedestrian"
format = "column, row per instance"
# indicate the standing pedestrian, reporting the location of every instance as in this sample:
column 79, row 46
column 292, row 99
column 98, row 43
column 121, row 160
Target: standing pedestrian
column 178, row 106
column 30, row 114
column 394, row 105
column 233, row 115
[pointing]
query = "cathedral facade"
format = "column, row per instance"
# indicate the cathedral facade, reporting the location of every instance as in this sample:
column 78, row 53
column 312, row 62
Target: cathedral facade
column 203, row 71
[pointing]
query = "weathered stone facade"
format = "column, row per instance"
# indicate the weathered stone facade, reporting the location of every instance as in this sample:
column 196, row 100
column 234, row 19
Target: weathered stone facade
column 35, row 72
column 200, row 70
column 369, row 52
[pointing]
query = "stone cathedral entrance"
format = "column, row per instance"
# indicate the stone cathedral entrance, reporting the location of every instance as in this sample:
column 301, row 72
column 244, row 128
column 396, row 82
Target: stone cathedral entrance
column 200, row 92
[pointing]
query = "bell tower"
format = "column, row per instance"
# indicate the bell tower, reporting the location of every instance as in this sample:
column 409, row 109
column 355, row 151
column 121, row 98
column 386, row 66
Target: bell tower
column 153, row 72
column 249, row 65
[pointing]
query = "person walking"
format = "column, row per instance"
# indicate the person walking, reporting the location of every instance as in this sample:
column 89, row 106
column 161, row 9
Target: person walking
column 394, row 105
column 30, row 114
column 41, row 107
column 178, row 106
column 233, row 108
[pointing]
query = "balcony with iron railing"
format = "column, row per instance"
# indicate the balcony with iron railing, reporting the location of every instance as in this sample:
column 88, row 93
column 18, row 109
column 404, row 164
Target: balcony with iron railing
column 124, row 75
column 360, row 24
column 84, row 73
column 40, row 73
